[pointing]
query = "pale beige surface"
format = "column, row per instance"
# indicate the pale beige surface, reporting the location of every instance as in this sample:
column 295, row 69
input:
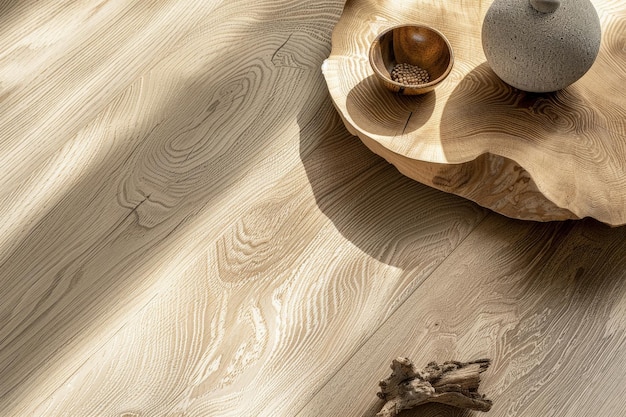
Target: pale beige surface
column 189, row 230
column 531, row 156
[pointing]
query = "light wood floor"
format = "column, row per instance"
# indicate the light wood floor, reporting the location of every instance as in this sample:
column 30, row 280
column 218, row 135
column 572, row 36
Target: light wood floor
column 189, row 230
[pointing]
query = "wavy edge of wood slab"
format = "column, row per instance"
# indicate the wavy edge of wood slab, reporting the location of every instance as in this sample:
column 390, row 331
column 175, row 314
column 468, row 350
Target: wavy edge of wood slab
column 512, row 189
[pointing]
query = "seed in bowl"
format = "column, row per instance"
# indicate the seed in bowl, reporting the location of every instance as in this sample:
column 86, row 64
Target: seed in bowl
column 409, row 74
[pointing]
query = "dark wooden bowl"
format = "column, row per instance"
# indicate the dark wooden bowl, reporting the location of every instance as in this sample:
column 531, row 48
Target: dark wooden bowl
column 417, row 45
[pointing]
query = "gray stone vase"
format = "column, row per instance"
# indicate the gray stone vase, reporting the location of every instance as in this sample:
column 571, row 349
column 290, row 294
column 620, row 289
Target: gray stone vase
column 541, row 45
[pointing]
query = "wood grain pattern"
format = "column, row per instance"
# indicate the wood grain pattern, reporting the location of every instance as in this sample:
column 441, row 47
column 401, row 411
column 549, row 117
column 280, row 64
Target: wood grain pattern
column 560, row 155
column 544, row 301
column 189, row 230
column 262, row 298
column 186, row 214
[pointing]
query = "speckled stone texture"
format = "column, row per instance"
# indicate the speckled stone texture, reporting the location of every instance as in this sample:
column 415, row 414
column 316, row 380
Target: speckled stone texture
column 541, row 52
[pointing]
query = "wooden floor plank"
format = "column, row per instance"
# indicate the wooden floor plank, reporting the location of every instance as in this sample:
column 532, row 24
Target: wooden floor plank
column 189, row 227
column 93, row 214
column 189, row 230
column 260, row 308
column 544, row 301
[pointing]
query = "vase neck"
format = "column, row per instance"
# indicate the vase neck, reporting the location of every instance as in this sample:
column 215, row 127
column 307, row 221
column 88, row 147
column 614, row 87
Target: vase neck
column 545, row 6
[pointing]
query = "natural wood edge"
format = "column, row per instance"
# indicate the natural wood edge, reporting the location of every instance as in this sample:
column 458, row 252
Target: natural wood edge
column 516, row 194
column 512, row 191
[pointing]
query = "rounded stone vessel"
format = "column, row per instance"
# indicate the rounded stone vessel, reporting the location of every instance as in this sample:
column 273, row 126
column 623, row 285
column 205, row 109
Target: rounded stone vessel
column 541, row 45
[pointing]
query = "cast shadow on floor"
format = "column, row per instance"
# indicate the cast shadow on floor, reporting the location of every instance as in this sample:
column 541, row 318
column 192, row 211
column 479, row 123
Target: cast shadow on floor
column 387, row 215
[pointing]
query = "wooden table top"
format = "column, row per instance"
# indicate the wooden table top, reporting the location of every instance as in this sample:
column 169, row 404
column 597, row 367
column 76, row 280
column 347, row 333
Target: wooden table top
column 531, row 156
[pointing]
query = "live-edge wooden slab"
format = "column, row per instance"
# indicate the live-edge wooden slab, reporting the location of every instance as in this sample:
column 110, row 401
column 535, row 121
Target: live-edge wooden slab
column 530, row 156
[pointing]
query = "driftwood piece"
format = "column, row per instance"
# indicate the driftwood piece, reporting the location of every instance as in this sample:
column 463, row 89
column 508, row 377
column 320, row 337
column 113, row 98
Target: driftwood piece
column 453, row 383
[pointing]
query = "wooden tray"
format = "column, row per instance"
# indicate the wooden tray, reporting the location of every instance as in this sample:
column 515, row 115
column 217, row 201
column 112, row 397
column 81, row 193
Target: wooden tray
column 530, row 156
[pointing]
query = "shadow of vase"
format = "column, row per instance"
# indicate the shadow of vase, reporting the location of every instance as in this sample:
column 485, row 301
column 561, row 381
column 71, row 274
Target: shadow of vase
column 503, row 127
column 483, row 108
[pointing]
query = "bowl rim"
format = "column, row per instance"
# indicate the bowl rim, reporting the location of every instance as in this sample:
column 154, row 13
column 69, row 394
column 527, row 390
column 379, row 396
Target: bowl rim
column 416, row 25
